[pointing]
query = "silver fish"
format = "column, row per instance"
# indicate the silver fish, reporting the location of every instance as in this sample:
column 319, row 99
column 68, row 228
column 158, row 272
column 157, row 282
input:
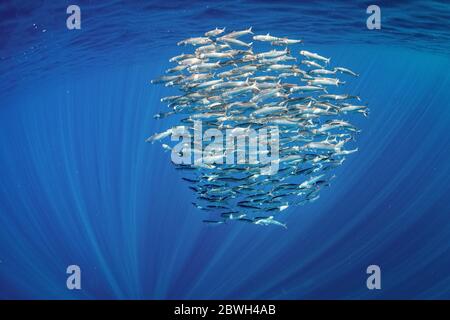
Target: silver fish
column 237, row 87
column 214, row 33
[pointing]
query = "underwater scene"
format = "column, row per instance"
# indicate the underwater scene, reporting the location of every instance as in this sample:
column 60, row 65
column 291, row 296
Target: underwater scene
column 123, row 174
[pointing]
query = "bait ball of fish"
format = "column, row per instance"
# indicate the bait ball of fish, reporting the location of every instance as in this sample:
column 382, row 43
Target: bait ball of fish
column 239, row 81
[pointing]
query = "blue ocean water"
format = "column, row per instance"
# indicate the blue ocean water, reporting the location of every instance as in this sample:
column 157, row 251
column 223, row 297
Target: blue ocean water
column 79, row 185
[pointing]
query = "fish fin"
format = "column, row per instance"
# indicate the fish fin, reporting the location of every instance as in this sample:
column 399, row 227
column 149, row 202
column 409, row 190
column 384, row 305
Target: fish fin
column 250, row 30
column 340, row 144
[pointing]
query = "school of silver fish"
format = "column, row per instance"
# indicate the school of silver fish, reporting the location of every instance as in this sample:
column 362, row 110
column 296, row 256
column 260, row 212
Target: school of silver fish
column 227, row 84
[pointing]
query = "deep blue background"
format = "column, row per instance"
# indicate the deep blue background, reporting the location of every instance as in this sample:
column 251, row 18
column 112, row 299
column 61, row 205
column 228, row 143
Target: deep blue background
column 79, row 185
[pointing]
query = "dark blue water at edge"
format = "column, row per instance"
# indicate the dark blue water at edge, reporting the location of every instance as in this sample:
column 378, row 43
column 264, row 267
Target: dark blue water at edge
column 79, row 185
